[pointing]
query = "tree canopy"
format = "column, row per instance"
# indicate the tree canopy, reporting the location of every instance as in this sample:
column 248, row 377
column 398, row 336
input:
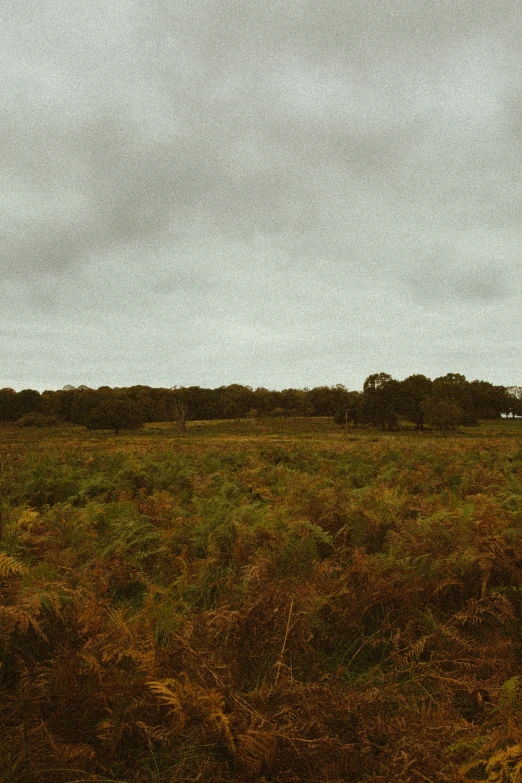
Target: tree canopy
column 382, row 402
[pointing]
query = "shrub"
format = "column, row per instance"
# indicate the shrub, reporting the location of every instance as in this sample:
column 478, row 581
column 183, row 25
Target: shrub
column 442, row 414
column 37, row 420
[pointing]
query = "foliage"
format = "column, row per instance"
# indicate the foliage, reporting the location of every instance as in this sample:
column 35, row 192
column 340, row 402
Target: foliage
column 115, row 414
column 352, row 410
column 442, row 413
column 37, row 420
column 414, row 391
column 382, row 402
column 276, row 600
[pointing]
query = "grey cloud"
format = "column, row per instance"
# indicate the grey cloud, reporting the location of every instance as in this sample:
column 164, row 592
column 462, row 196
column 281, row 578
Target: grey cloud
column 256, row 172
column 434, row 280
column 127, row 176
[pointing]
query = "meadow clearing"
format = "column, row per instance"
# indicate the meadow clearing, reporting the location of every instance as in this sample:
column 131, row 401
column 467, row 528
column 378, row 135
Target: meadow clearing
column 268, row 599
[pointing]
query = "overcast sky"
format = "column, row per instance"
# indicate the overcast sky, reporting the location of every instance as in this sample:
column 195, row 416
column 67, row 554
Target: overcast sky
column 277, row 193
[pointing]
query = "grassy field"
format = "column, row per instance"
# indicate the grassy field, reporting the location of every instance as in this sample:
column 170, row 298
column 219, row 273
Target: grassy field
column 278, row 599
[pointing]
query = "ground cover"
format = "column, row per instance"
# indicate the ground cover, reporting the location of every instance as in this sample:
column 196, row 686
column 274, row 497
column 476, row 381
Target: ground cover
column 270, row 599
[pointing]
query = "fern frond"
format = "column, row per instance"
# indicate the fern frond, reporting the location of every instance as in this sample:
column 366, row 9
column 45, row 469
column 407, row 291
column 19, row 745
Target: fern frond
column 9, row 565
column 416, row 649
column 450, row 581
column 15, row 618
column 155, row 733
column 470, row 614
column 451, row 633
column 66, row 753
column 318, row 533
column 162, row 690
column 500, row 607
column 137, row 703
column 473, row 770
column 256, row 752
column 505, row 765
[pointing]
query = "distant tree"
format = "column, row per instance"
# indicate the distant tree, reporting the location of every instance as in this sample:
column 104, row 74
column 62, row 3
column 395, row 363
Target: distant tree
column 235, row 401
column 143, row 397
column 413, row 391
column 59, row 403
column 8, row 409
column 180, row 414
column 79, row 405
column 452, row 377
column 352, row 411
column 50, row 402
column 116, row 414
column 204, row 403
column 180, row 406
column 28, row 401
column 381, row 400
column 295, row 402
column 376, row 382
column 161, row 405
column 442, row 414
column 265, row 400
column 513, row 401
column 489, row 401
column 455, row 388
column 326, row 400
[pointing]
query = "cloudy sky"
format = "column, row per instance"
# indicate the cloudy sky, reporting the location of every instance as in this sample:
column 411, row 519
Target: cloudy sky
column 278, row 193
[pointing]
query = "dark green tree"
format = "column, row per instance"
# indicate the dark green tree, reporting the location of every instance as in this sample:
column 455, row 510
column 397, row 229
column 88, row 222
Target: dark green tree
column 28, row 401
column 294, row 402
column 381, row 400
column 413, row 391
column 513, row 401
column 265, row 400
column 444, row 415
column 115, row 413
column 8, row 409
column 489, row 401
column 235, row 401
column 326, row 400
column 352, row 411
column 454, row 387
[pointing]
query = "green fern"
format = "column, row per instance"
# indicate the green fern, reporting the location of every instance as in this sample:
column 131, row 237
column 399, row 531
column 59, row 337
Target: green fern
column 9, row 565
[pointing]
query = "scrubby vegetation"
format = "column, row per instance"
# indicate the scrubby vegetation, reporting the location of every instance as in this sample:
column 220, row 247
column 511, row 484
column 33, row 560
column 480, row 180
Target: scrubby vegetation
column 276, row 599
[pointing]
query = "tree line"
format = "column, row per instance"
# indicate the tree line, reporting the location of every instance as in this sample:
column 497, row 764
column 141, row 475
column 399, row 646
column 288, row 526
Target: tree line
column 133, row 406
column 383, row 401
column 445, row 402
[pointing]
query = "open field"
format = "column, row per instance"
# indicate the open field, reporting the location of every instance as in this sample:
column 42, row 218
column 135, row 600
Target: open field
column 271, row 599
